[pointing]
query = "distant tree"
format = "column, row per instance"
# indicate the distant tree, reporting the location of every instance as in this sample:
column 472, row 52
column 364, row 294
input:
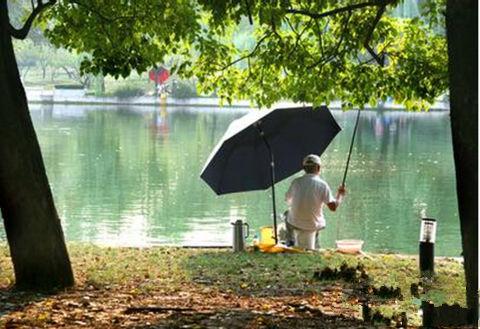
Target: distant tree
column 38, row 55
column 70, row 64
column 27, row 57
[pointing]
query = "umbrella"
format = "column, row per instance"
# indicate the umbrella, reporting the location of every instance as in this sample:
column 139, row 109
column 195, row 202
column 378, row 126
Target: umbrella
column 265, row 147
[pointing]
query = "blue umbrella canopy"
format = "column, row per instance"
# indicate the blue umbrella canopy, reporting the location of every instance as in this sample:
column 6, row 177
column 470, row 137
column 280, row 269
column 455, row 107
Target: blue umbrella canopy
column 242, row 160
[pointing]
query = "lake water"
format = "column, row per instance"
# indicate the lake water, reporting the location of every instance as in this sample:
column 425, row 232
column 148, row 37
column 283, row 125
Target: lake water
column 129, row 176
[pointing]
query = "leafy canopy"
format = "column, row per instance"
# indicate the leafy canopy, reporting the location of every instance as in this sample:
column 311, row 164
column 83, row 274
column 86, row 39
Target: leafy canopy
column 122, row 36
column 302, row 50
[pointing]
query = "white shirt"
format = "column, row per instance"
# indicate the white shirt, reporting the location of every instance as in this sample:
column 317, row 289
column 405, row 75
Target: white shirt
column 306, row 197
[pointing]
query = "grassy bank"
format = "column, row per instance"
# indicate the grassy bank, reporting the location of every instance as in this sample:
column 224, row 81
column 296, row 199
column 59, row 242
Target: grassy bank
column 168, row 287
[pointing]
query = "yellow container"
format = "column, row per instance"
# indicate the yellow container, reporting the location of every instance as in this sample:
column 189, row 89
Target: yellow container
column 266, row 236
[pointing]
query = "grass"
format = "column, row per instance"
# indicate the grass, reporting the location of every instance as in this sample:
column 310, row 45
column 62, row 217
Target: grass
column 295, row 271
column 284, row 279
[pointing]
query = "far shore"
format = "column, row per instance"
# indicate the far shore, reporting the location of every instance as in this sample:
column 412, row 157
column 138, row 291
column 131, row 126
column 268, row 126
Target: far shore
column 37, row 95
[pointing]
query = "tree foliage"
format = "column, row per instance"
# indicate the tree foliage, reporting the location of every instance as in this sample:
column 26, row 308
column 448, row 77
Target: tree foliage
column 304, row 56
column 306, row 51
column 121, row 36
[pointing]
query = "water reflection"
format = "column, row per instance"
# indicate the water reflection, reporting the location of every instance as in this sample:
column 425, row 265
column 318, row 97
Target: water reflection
column 159, row 124
column 402, row 167
column 130, row 176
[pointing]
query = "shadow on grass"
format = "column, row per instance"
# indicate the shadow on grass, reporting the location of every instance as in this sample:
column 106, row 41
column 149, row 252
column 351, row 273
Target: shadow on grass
column 233, row 319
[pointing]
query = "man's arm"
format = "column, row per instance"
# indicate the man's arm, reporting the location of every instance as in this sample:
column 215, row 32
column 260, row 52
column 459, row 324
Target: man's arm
column 338, row 199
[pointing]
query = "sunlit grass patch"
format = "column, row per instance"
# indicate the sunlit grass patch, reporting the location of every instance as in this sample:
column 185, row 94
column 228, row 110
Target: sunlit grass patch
column 147, row 268
column 6, row 268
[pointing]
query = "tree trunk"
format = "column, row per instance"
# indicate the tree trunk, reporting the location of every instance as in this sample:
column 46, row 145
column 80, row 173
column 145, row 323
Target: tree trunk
column 33, row 229
column 53, row 74
column 44, row 72
column 462, row 37
column 24, row 75
column 102, row 84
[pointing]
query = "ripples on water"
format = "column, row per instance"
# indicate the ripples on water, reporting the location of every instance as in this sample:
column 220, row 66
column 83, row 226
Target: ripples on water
column 129, row 176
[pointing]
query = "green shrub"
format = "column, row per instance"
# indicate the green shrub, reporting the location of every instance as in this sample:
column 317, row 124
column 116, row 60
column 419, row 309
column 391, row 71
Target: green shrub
column 127, row 91
column 69, row 86
column 184, row 89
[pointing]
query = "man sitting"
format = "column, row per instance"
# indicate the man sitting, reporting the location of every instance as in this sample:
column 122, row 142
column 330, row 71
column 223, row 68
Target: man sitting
column 306, row 197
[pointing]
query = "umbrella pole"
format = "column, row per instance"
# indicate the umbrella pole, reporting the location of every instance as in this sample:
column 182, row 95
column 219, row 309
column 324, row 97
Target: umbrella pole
column 272, row 174
column 272, row 177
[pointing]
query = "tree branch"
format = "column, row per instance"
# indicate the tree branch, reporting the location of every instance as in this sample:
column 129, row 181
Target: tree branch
column 23, row 32
column 291, row 26
column 380, row 59
column 334, row 53
column 320, row 37
column 247, row 55
column 244, row 84
column 299, row 35
column 373, row 3
column 249, row 12
column 94, row 10
column 382, row 4
column 71, row 75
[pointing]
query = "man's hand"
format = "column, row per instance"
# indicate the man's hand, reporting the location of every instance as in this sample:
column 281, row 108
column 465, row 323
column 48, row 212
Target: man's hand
column 338, row 199
column 341, row 190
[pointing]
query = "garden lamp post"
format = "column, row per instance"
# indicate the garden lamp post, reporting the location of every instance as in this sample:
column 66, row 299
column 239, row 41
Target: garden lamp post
column 428, row 230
